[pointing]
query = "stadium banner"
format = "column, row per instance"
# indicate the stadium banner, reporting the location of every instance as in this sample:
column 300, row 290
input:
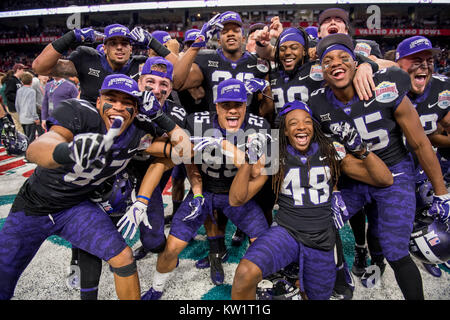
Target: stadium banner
column 43, row 39
column 402, row 32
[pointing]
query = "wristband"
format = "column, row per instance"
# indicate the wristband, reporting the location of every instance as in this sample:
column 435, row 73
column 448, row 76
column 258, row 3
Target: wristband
column 198, row 196
column 61, row 154
column 65, row 42
column 363, row 155
column 158, row 48
column 143, row 197
column 164, row 122
column 259, row 44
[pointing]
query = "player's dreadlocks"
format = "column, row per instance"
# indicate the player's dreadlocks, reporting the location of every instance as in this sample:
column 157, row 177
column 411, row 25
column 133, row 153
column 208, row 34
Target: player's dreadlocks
column 326, row 149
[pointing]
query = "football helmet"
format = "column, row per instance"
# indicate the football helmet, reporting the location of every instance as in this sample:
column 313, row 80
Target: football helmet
column 116, row 194
column 15, row 142
column 429, row 242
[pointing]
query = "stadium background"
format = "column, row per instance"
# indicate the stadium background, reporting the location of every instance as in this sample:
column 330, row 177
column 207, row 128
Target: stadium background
column 23, row 37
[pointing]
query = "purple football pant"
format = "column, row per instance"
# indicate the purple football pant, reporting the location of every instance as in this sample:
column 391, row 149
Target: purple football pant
column 179, row 172
column 392, row 219
column 154, row 237
column 276, row 249
column 86, row 226
column 248, row 217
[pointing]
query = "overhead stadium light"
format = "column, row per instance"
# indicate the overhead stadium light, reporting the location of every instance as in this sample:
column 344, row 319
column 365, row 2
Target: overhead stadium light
column 194, row 4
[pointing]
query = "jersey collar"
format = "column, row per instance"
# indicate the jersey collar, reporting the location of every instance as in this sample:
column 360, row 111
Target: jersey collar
column 234, row 64
column 107, row 67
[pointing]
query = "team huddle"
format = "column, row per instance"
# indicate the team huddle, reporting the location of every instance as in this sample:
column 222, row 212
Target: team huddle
column 309, row 121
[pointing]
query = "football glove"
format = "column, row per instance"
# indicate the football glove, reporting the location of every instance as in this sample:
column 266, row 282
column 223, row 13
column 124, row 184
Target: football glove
column 208, row 31
column 88, row 35
column 441, row 208
column 256, row 85
column 349, row 136
column 196, row 205
column 90, row 148
column 131, row 220
column 254, row 148
column 141, row 37
column 339, row 209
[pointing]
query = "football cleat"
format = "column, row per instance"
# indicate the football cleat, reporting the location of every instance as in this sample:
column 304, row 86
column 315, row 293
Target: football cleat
column 152, row 294
column 344, row 285
column 238, row 238
column 216, row 269
column 204, row 263
column 73, row 277
column 447, row 264
column 264, row 290
column 433, row 269
column 284, row 290
column 360, row 261
column 140, row 253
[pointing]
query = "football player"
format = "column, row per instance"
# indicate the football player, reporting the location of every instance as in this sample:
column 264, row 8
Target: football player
column 89, row 65
column 430, row 94
column 85, row 145
column 211, row 132
column 381, row 123
column 303, row 231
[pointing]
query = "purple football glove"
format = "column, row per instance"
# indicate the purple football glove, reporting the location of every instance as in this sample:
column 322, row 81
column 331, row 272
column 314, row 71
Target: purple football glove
column 208, row 31
column 441, row 208
column 196, row 205
column 149, row 105
column 256, row 85
column 339, row 209
column 349, row 136
column 88, row 35
column 141, row 37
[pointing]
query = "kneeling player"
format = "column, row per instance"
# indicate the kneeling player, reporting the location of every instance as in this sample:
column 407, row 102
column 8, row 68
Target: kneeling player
column 303, row 230
column 215, row 131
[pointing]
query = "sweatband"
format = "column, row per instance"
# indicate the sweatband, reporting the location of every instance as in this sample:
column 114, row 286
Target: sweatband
column 143, row 197
column 198, row 196
column 158, row 48
column 126, row 271
column 65, row 42
column 338, row 47
column 61, row 154
column 292, row 34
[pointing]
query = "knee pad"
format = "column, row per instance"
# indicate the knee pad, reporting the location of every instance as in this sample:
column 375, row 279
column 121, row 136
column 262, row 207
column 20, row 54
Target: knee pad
column 126, row 271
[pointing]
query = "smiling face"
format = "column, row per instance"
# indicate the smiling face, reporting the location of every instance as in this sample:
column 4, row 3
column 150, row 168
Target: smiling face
column 338, row 68
column 290, row 53
column 115, row 103
column 231, row 38
column 161, row 87
column 231, row 114
column 117, row 51
column 299, row 129
column 420, row 68
column 332, row 25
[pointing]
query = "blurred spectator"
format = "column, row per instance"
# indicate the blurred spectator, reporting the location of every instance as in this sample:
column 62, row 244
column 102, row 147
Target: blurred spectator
column 38, row 86
column 13, row 83
column 57, row 90
column 26, row 106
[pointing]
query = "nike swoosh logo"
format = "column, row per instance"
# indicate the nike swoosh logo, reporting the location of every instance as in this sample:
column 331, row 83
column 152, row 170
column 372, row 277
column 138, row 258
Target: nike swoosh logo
column 432, row 105
column 366, row 104
column 132, row 150
column 397, row 174
column 251, row 66
column 301, row 78
column 322, row 158
column 134, row 75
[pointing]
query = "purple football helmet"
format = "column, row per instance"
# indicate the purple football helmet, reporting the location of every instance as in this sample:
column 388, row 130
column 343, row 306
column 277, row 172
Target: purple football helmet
column 15, row 143
column 115, row 194
column 429, row 242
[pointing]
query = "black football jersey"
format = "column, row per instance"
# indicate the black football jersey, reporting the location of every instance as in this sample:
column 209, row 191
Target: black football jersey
column 432, row 105
column 216, row 170
column 92, row 68
column 305, row 195
column 297, row 86
column 217, row 68
column 52, row 190
column 374, row 119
